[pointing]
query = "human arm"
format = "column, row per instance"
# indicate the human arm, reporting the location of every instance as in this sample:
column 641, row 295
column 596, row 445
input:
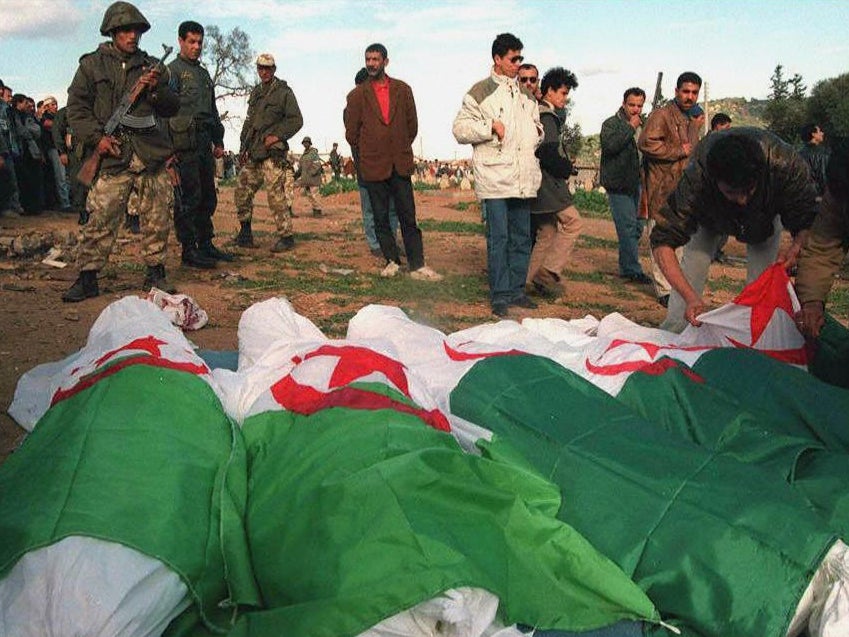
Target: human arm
column 548, row 152
column 473, row 126
column 616, row 135
column 820, row 259
column 668, row 263
column 412, row 116
column 658, row 141
column 352, row 117
column 288, row 119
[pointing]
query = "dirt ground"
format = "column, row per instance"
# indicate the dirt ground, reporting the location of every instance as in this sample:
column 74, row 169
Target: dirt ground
column 36, row 327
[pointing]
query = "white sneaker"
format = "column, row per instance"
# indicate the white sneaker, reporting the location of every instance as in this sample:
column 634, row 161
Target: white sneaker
column 390, row 270
column 425, row 273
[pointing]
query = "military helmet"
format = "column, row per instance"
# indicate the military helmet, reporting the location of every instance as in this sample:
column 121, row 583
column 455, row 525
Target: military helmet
column 122, row 14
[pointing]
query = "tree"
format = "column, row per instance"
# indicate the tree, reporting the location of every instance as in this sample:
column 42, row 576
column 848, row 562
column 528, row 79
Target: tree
column 229, row 58
column 778, row 85
column 785, row 109
column 828, row 106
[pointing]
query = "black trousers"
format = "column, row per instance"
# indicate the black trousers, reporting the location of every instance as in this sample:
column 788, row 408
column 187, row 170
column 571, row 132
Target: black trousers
column 400, row 188
column 194, row 207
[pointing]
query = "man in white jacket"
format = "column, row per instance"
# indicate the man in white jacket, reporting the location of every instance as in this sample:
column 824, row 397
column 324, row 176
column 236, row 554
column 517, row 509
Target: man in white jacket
column 500, row 120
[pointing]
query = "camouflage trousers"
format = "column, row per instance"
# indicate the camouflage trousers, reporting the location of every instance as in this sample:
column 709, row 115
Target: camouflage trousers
column 107, row 202
column 278, row 177
column 309, row 192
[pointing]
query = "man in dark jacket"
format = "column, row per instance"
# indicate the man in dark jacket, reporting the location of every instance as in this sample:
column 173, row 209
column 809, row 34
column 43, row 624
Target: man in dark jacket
column 815, row 152
column 133, row 159
column 198, row 138
column 555, row 221
column 381, row 124
column 744, row 182
column 620, row 176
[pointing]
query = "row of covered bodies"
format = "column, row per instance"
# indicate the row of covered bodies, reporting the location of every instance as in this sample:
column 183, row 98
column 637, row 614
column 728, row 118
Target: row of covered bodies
column 565, row 476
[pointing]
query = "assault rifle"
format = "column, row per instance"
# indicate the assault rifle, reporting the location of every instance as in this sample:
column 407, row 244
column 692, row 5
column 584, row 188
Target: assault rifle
column 89, row 169
column 658, row 95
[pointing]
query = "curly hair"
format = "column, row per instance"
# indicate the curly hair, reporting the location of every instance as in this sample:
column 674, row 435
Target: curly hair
column 556, row 77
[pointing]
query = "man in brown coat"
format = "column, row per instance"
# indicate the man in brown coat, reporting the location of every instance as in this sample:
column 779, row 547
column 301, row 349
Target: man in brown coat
column 667, row 141
column 381, row 124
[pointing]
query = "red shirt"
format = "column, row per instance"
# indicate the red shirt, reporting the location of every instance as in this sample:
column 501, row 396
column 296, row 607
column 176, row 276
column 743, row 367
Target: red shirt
column 381, row 92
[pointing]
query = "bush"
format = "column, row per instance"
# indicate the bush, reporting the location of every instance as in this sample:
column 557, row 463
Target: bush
column 335, row 186
column 591, row 203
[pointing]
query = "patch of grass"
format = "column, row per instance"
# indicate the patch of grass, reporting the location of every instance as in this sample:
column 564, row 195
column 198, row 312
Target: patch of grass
column 587, row 241
column 421, row 186
column 587, row 277
column 336, row 186
column 592, row 203
column 726, row 283
column 361, row 288
column 457, row 227
column 838, row 302
column 335, row 325
column 597, row 309
column 463, row 206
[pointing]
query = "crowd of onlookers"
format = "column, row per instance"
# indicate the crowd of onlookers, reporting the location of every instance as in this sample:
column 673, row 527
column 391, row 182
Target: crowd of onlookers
column 37, row 155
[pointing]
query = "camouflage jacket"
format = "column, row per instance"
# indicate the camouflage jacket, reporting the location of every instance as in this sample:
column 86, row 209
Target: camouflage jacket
column 272, row 110
column 662, row 144
column 197, row 122
column 784, row 189
column 310, row 168
column 102, row 79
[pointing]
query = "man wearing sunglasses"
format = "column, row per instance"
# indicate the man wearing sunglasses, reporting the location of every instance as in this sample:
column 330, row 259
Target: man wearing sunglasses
column 501, row 122
column 529, row 79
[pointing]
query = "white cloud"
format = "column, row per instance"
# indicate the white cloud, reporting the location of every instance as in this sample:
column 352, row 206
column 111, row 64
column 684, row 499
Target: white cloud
column 36, row 19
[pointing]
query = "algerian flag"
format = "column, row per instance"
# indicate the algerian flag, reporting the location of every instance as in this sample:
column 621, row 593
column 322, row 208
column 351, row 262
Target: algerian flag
column 362, row 505
column 132, row 477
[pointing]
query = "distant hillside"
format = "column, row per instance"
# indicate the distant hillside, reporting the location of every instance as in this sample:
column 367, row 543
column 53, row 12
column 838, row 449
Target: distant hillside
column 743, row 112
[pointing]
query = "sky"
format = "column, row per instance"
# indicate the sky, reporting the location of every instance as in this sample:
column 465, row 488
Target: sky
column 441, row 48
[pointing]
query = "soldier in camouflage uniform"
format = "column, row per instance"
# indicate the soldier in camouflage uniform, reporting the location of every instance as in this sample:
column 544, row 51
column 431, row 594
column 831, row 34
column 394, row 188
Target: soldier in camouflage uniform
column 198, row 138
column 309, row 173
column 134, row 158
column 273, row 117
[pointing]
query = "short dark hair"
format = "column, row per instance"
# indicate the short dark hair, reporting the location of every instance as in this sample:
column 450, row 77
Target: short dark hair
column 527, row 66
column 688, row 77
column 837, row 172
column 504, row 42
column 377, row 47
column 634, row 90
column 556, row 77
column 189, row 26
column 361, row 76
column 735, row 159
column 718, row 120
column 39, row 103
column 17, row 98
column 807, row 132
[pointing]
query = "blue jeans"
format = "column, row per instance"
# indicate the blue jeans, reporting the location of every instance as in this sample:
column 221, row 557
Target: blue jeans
column 368, row 219
column 508, row 247
column 629, row 229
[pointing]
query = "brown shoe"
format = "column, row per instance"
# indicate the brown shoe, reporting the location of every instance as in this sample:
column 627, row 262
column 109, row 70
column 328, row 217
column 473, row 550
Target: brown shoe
column 547, row 283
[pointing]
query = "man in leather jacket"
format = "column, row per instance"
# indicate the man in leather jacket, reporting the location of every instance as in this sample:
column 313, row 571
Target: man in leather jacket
column 744, row 182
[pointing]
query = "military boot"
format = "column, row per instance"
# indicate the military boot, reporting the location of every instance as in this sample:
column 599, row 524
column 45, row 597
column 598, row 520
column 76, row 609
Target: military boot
column 284, row 244
column 245, row 238
column 155, row 278
column 194, row 258
column 85, row 287
column 209, row 250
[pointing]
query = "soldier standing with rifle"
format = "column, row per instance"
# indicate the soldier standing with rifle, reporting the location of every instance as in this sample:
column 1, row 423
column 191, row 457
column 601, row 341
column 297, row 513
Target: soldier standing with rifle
column 131, row 157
